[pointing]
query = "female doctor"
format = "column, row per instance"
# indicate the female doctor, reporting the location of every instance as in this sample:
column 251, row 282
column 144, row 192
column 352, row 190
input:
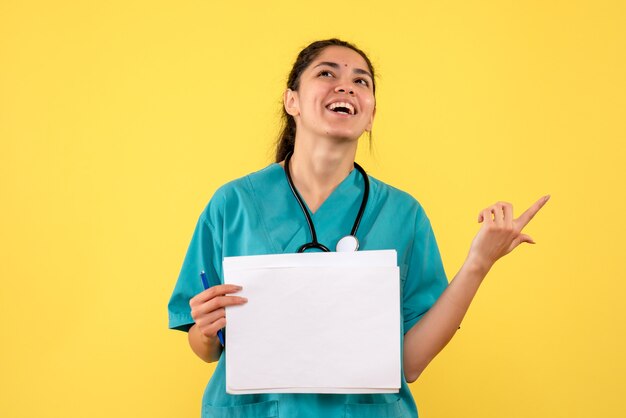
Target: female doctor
column 329, row 103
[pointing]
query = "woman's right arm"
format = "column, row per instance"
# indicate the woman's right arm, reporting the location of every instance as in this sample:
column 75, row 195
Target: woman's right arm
column 208, row 349
column 209, row 314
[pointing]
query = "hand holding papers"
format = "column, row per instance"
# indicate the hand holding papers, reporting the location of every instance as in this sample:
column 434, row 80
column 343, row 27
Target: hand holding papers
column 314, row 323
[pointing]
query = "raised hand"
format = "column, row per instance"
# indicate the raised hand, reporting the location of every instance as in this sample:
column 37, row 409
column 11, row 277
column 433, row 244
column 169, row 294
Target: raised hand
column 500, row 233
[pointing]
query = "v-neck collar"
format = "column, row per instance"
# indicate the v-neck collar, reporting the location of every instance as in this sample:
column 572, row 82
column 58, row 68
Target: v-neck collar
column 283, row 217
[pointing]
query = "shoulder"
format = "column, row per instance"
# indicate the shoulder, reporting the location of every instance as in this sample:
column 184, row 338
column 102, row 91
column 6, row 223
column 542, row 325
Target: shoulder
column 399, row 200
column 243, row 187
column 236, row 192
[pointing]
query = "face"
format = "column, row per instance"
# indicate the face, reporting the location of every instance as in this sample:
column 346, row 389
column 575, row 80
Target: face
column 335, row 97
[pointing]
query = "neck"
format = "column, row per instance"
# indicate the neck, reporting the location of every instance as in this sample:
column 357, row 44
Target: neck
column 317, row 167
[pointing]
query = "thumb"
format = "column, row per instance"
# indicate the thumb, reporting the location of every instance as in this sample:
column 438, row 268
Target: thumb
column 518, row 240
column 525, row 238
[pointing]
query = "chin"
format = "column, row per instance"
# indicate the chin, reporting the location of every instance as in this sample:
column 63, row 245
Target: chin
column 343, row 135
column 343, row 139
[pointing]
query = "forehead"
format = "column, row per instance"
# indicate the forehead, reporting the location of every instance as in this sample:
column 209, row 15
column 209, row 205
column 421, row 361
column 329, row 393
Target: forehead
column 343, row 56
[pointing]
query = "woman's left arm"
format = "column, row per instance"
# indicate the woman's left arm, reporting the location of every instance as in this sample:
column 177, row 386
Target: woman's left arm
column 498, row 236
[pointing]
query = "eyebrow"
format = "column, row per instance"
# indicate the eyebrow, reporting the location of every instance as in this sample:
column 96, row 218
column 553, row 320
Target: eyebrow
column 337, row 66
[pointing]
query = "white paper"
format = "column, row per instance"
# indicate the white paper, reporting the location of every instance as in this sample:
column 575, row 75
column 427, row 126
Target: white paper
column 317, row 259
column 314, row 323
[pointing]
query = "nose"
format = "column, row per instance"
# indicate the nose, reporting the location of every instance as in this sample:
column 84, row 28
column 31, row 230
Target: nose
column 343, row 89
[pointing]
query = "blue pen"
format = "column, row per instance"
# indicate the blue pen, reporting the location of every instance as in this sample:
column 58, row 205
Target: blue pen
column 205, row 284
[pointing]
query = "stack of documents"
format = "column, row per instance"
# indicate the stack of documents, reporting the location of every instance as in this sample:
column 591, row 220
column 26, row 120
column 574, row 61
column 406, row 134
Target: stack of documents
column 314, row 323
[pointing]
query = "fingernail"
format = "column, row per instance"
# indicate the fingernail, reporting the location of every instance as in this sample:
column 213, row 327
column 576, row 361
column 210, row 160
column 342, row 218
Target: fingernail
column 244, row 299
column 238, row 287
column 546, row 198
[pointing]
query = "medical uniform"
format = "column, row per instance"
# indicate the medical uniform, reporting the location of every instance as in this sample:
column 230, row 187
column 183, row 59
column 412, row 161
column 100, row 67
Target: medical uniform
column 258, row 214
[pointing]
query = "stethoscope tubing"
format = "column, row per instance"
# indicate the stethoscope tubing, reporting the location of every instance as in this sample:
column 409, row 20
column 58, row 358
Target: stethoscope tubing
column 357, row 221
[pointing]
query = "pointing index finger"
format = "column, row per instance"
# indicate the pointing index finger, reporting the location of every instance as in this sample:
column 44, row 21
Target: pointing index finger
column 525, row 217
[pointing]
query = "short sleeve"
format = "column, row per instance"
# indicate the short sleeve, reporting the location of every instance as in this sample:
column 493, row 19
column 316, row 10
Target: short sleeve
column 204, row 254
column 425, row 278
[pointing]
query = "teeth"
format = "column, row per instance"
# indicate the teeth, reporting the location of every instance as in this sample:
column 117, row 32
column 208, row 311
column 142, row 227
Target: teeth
column 342, row 104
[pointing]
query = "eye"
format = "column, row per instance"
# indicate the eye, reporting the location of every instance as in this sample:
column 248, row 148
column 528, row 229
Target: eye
column 362, row 81
column 325, row 73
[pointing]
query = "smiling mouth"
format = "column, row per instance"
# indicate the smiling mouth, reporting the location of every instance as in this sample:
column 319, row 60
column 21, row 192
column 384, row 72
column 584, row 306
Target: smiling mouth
column 341, row 107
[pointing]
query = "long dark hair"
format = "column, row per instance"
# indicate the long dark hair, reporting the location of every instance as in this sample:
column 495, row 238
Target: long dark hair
column 287, row 137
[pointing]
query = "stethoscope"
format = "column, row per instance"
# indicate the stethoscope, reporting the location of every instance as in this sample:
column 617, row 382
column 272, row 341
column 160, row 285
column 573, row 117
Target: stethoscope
column 347, row 243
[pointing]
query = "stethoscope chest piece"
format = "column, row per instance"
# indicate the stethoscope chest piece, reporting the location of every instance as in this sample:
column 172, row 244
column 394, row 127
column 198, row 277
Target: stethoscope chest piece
column 347, row 244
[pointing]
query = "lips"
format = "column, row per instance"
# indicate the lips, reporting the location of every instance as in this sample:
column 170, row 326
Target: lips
column 343, row 107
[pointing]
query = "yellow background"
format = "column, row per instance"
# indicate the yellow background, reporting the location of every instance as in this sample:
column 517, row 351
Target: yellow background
column 119, row 119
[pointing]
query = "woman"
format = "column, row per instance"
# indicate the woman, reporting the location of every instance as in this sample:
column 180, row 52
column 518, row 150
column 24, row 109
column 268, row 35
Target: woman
column 328, row 105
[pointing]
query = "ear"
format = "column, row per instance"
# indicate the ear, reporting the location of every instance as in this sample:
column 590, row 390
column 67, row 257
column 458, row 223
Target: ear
column 368, row 128
column 291, row 102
